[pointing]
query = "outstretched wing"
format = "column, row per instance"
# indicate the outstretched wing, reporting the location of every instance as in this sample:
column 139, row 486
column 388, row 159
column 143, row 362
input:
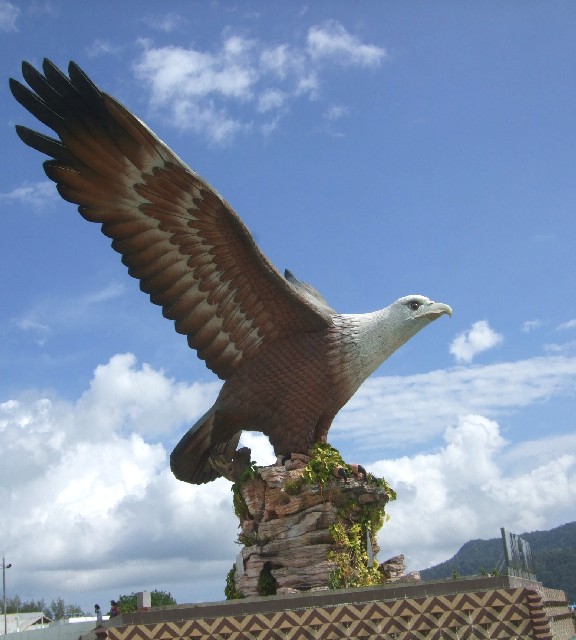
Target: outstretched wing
column 177, row 236
column 314, row 297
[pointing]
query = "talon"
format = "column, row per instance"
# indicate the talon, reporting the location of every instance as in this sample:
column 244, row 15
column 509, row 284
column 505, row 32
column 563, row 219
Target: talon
column 359, row 471
column 340, row 472
column 286, row 458
column 221, row 465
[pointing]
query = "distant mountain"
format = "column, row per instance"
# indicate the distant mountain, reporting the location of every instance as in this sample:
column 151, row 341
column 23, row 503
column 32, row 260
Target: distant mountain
column 554, row 555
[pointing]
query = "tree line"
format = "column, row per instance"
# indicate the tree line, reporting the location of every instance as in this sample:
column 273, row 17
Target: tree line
column 56, row 610
column 59, row 609
column 554, row 554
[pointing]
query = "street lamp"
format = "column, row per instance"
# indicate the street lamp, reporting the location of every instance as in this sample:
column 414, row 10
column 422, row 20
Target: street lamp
column 4, row 567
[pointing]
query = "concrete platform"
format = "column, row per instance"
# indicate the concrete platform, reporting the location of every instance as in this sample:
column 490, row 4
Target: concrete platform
column 480, row 607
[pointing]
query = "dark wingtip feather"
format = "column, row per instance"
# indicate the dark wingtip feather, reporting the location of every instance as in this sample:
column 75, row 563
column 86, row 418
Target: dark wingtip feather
column 27, row 68
column 57, row 79
column 48, row 66
column 84, row 85
column 30, row 73
column 45, row 144
column 15, row 87
column 37, row 107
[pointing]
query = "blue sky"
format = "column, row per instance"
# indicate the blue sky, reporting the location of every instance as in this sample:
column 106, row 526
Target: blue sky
column 376, row 149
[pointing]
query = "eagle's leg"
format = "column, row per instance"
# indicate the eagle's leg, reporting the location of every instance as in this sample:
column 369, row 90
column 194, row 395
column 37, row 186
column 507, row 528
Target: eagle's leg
column 234, row 469
column 357, row 469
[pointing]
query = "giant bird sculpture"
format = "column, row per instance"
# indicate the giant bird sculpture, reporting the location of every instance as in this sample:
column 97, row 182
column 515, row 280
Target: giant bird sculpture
column 289, row 361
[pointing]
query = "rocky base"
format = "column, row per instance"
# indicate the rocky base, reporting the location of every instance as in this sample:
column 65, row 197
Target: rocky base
column 394, row 570
column 287, row 528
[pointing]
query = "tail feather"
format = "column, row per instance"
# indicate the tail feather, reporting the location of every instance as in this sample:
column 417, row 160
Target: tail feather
column 190, row 460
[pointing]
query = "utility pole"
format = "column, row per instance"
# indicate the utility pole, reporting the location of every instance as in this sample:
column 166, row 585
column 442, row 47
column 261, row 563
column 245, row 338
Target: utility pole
column 4, row 567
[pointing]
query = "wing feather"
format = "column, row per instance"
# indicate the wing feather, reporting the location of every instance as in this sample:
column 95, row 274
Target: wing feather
column 191, row 252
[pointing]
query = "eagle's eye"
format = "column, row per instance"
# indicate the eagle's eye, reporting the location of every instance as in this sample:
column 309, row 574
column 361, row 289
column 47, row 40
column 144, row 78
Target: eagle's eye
column 414, row 305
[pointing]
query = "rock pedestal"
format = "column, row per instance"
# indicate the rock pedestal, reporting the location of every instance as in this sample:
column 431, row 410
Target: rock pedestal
column 287, row 528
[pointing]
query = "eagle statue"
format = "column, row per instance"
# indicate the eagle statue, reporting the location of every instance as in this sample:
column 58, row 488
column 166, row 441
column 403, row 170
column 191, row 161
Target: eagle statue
column 288, row 360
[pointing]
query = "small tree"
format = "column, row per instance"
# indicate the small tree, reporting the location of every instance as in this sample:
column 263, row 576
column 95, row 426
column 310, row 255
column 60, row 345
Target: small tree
column 17, row 605
column 59, row 609
column 55, row 611
column 128, row 604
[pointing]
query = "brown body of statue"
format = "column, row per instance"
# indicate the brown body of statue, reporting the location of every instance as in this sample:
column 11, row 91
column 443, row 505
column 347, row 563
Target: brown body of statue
column 289, row 361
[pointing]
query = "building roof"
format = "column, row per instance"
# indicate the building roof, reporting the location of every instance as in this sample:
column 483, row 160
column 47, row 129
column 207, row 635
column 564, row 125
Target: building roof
column 23, row 621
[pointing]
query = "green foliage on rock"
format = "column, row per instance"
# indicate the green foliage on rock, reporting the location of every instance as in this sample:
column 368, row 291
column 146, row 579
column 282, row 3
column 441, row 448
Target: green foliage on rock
column 351, row 558
column 267, row 584
column 381, row 482
column 294, row 487
column 247, row 539
column 355, row 522
column 240, row 507
column 359, row 517
column 320, row 469
column 230, row 590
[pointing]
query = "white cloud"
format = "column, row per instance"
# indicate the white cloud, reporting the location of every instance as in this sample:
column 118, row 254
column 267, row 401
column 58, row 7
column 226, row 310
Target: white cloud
column 571, row 324
column 479, row 338
column 466, row 490
column 30, row 323
column 38, row 194
column 167, row 22
column 531, row 325
column 124, row 398
column 177, row 72
column 89, row 501
column 271, row 99
column 222, row 92
column 8, row 15
column 102, row 47
column 396, row 411
column 332, row 41
column 110, row 292
column 335, row 112
column 262, row 452
column 282, row 61
column 566, row 347
column 90, row 506
column 51, row 315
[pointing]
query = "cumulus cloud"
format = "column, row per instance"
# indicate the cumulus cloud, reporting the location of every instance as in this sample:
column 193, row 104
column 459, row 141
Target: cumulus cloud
column 222, row 92
column 466, row 490
column 123, row 397
column 397, row 411
column 38, row 194
column 8, row 16
column 479, row 338
column 89, row 501
column 90, row 506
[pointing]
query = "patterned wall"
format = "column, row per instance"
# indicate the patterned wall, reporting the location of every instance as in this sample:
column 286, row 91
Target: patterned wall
column 504, row 613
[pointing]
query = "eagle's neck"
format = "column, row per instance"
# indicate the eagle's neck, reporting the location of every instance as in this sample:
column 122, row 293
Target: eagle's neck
column 369, row 339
